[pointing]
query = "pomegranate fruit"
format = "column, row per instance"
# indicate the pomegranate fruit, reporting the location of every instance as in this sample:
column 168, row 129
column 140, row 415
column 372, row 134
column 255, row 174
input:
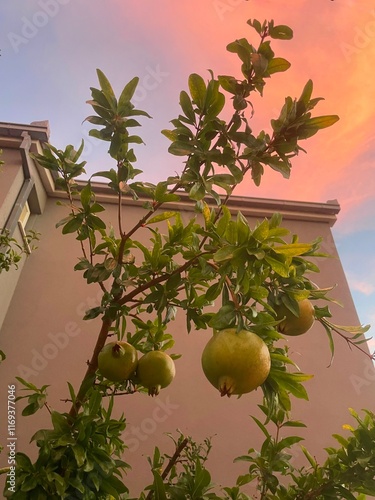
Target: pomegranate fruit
column 155, row 371
column 295, row 325
column 117, row 361
column 236, row 362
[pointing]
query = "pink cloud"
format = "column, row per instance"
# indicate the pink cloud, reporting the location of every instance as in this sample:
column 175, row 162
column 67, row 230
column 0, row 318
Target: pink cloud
column 336, row 50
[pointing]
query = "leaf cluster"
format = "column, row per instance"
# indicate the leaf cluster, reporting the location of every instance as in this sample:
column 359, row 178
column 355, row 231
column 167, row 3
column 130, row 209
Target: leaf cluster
column 78, row 458
column 184, row 474
column 115, row 117
column 348, row 472
column 11, row 251
column 214, row 258
column 211, row 142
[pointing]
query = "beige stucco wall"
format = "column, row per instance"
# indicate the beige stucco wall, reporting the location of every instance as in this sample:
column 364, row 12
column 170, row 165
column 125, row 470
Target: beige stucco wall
column 48, row 343
column 12, row 177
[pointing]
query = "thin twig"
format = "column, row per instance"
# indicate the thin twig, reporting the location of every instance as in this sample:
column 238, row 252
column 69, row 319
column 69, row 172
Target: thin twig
column 159, row 279
column 174, row 458
column 171, row 463
column 92, row 366
column 230, row 286
column 348, row 340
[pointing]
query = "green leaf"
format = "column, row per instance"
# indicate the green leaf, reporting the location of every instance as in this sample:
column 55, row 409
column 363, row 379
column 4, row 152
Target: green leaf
column 244, row 479
column 309, row 457
column 292, row 249
column 161, row 217
column 261, row 426
column 202, row 479
column 127, row 94
column 106, row 88
column 278, row 65
column 95, row 402
column 197, row 192
column 197, row 89
column 228, row 83
column 86, row 194
column 281, row 32
column 159, row 488
column 357, row 329
column 24, row 462
column 331, row 341
column 293, row 423
column 288, row 442
column 172, row 135
column 344, row 442
column 135, row 139
column 187, row 106
column 29, row 385
column 73, row 225
column 320, row 122
column 79, row 454
column 180, row 148
column 95, row 120
column 30, row 409
column 295, row 377
column 279, row 267
column 225, row 253
column 216, row 106
column 261, row 232
column 71, row 392
column 224, row 318
column 254, row 23
column 214, row 291
column 306, row 93
column 95, row 222
column 291, row 382
column 223, row 222
column 243, row 49
column 257, row 170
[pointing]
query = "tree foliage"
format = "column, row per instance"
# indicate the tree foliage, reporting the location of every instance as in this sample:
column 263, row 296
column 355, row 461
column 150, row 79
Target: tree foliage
column 215, row 257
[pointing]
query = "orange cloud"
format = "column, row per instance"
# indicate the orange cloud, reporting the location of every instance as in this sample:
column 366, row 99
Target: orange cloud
column 335, row 48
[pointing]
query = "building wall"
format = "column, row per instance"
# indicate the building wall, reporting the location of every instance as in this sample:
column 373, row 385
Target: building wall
column 47, row 342
column 20, row 182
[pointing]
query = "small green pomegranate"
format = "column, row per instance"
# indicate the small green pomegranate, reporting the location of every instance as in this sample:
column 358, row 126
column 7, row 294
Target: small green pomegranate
column 236, row 363
column 155, row 371
column 117, row 361
column 296, row 325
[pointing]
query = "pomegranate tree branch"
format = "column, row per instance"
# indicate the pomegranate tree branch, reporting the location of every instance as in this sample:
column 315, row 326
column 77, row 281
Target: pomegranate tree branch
column 159, row 279
column 89, row 377
column 349, row 341
column 141, row 222
column 229, row 285
column 175, row 457
column 171, row 463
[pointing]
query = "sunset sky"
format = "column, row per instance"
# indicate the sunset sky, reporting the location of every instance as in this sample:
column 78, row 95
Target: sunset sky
column 50, row 50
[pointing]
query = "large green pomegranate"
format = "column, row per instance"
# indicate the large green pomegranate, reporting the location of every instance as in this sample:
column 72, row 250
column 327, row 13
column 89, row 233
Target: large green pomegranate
column 295, row 325
column 236, row 362
column 155, row 371
column 117, row 361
